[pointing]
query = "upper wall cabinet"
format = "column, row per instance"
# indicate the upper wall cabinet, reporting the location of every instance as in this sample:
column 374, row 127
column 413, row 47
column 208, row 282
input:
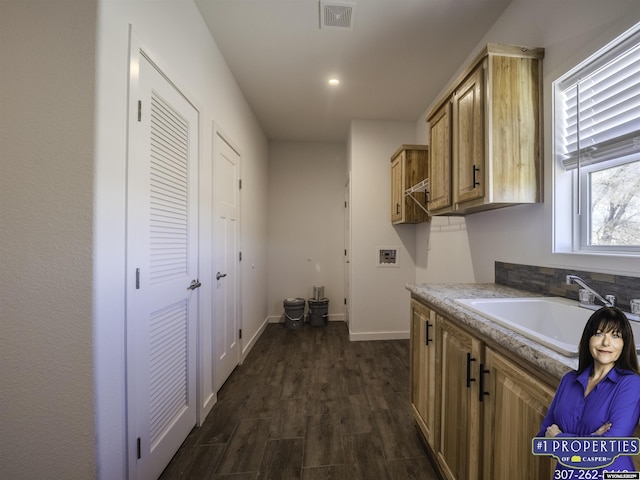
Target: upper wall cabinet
column 486, row 134
column 409, row 168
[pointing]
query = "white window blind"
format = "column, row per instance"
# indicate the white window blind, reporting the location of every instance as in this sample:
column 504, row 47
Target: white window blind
column 600, row 107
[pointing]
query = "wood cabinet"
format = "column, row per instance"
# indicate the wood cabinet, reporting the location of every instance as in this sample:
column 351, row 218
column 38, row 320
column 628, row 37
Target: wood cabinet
column 513, row 411
column 440, row 163
column 486, row 407
column 468, row 139
column 486, row 134
column 424, row 382
column 458, row 450
column 409, row 167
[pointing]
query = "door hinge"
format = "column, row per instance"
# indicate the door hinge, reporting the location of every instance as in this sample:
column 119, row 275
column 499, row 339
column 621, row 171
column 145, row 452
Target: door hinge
column 137, row 279
column 240, row 333
column 139, row 449
column 239, row 256
column 139, row 110
column 240, row 184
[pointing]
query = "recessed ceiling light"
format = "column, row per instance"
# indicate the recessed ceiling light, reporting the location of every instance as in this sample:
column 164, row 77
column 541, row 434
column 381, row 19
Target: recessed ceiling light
column 334, row 81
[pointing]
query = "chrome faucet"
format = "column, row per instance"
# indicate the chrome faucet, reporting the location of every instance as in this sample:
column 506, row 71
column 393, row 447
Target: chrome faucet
column 608, row 301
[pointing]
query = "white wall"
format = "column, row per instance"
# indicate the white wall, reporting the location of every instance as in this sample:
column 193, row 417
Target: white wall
column 379, row 302
column 60, row 212
column 569, row 31
column 443, row 251
column 176, row 37
column 306, row 223
column 47, row 76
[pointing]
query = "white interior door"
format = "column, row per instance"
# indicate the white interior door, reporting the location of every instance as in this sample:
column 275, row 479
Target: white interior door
column 226, row 198
column 347, row 252
column 162, row 259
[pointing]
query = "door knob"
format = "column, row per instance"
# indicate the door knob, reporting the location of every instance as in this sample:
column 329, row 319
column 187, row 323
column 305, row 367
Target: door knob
column 220, row 275
column 194, row 284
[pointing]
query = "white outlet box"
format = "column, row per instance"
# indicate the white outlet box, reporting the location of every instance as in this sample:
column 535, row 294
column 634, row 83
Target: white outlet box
column 387, row 257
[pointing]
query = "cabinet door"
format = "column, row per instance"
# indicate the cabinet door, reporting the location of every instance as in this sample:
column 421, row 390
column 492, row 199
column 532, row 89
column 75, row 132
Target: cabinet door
column 514, row 409
column 424, row 342
column 468, row 139
column 440, row 159
column 397, row 194
column 458, row 452
column 514, row 129
column 415, row 170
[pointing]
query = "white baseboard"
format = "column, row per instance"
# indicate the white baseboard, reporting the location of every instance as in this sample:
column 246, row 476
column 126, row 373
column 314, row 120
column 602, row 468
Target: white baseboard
column 248, row 345
column 333, row 317
column 364, row 336
column 206, row 408
column 355, row 336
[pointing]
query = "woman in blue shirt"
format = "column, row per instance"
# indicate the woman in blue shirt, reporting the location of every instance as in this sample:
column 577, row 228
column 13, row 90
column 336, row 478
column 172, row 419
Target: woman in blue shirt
column 601, row 398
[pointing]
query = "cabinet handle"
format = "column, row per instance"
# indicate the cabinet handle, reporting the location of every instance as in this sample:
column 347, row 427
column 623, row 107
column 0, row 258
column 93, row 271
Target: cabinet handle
column 475, row 182
column 397, row 209
column 481, row 392
column 469, row 379
column 427, row 339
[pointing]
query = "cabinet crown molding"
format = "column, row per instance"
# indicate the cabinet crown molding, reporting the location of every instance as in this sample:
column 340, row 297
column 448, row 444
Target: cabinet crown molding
column 490, row 49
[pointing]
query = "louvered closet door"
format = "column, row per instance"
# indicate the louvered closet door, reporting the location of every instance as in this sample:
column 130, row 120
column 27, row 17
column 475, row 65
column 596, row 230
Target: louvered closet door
column 162, row 262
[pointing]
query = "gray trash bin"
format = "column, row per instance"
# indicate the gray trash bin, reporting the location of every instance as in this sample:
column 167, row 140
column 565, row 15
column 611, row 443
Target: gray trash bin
column 318, row 312
column 293, row 313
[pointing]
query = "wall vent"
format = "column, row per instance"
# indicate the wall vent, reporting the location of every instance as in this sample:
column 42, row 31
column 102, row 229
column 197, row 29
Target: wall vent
column 337, row 15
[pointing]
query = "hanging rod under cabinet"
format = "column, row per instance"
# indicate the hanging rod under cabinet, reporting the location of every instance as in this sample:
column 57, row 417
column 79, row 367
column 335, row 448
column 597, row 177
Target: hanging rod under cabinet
column 422, row 186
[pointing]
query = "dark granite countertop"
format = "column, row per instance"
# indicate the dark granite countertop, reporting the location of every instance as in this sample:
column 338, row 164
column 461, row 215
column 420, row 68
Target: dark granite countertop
column 441, row 296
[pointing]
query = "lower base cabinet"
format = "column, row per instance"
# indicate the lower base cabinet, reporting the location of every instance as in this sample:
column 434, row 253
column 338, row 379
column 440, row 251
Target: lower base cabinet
column 458, row 450
column 513, row 411
column 487, row 405
column 424, row 338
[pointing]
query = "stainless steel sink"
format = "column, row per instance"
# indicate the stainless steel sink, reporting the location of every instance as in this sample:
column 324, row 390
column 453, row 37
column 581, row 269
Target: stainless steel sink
column 553, row 321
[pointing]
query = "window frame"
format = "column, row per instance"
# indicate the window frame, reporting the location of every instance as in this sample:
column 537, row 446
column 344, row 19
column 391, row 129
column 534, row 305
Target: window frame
column 571, row 203
column 584, row 221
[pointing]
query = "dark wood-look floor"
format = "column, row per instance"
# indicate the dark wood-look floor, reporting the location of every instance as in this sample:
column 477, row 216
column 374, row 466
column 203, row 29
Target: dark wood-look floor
column 309, row 404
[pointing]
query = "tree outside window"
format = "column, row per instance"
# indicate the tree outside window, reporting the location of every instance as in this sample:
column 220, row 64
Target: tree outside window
column 615, row 205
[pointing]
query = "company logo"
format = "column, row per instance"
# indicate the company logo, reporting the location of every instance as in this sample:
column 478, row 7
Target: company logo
column 585, row 452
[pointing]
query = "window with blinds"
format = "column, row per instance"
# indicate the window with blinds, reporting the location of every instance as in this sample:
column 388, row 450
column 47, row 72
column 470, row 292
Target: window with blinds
column 597, row 141
column 600, row 107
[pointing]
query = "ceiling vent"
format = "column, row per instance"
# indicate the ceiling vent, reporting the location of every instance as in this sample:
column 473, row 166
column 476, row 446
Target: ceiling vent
column 337, row 15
